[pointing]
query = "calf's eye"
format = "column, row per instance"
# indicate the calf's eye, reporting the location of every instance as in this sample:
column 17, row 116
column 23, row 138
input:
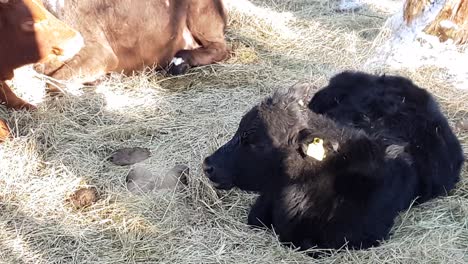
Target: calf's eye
column 244, row 138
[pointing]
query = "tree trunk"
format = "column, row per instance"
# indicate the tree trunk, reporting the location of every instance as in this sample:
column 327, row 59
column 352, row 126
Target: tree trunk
column 450, row 23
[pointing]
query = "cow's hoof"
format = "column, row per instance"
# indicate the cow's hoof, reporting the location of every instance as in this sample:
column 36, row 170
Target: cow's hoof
column 84, row 197
column 129, row 156
column 29, row 107
column 22, row 105
column 178, row 66
column 55, row 88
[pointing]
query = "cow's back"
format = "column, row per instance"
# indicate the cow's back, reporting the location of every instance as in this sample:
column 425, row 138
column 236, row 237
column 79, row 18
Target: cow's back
column 139, row 32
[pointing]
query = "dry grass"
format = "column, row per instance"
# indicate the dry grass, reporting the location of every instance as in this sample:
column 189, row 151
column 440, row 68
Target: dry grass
column 64, row 146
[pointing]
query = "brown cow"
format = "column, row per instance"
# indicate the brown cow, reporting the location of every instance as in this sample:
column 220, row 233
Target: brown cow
column 125, row 36
column 29, row 34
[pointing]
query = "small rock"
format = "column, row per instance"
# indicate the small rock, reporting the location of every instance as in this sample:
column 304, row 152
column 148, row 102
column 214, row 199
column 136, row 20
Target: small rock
column 173, row 176
column 179, row 172
column 141, row 180
column 349, row 6
column 129, row 156
column 462, row 125
column 84, row 197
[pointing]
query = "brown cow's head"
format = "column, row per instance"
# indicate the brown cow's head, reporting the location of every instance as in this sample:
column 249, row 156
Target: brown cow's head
column 29, row 34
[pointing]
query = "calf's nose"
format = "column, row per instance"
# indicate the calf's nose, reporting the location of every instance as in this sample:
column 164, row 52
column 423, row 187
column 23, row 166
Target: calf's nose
column 208, row 169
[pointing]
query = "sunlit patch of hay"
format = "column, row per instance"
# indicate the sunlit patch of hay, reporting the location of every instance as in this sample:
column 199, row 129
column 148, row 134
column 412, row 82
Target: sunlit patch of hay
column 64, row 146
column 243, row 54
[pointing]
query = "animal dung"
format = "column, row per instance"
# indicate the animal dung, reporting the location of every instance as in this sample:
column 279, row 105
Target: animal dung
column 129, row 156
column 84, row 197
column 142, row 180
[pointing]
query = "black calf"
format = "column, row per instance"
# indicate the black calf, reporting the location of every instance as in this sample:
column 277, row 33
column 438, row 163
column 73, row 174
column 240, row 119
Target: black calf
column 341, row 173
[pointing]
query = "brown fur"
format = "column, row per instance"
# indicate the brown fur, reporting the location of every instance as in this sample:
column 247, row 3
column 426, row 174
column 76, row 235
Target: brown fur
column 4, row 130
column 28, row 34
column 125, row 36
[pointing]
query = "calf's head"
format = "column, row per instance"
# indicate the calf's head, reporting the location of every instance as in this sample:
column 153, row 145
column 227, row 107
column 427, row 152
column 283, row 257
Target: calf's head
column 29, row 34
column 269, row 132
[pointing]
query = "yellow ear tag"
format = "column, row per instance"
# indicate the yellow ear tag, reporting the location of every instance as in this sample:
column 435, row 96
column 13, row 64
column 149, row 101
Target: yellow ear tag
column 316, row 149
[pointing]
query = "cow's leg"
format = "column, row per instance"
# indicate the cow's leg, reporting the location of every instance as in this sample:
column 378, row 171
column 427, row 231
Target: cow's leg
column 206, row 20
column 92, row 62
column 4, row 130
column 10, row 100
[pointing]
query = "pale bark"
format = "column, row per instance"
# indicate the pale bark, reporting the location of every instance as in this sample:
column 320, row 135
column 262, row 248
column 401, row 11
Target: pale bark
column 450, row 23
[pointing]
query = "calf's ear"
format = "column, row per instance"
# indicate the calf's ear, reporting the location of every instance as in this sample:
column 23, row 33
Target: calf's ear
column 311, row 145
column 303, row 93
column 300, row 93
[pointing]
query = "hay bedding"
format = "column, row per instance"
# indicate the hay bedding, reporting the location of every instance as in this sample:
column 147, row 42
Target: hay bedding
column 65, row 145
